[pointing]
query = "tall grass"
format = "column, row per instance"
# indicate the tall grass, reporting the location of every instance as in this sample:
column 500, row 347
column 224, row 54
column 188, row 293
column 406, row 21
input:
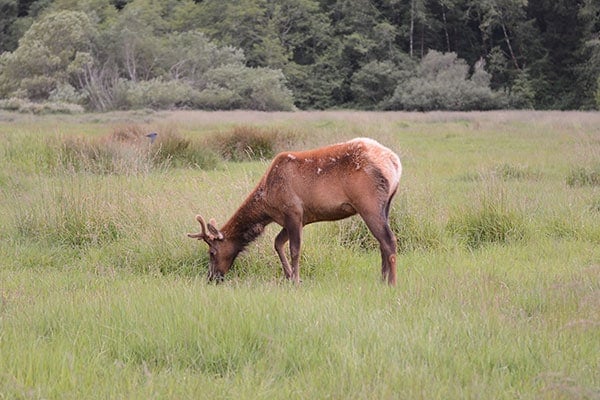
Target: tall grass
column 415, row 230
column 103, row 296
column 495, row 337
column 491, row 220
column 247, row 142
column 129, row 150
column 584, row 176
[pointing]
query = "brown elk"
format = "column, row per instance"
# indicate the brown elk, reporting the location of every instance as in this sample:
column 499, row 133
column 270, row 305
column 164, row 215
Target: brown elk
column 326, row 184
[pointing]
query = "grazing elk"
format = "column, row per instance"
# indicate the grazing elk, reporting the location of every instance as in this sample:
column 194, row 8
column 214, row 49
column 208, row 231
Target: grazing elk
column 326, row 184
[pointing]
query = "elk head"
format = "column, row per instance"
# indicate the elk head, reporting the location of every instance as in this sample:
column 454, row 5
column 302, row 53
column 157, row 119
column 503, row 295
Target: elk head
column 220, row 250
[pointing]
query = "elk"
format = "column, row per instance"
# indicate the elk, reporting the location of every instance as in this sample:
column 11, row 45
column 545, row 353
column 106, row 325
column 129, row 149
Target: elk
column 326, row 184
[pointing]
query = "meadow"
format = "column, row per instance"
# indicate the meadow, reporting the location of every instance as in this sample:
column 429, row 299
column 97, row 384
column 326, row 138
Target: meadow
column 102, row 295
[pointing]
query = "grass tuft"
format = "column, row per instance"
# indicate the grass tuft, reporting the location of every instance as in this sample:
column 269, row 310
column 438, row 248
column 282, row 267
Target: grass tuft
column 70, row 215
column 128, row 150
column 247, row 143
column 492, row 220
column 584, row 176
column 595, row 205
column 413, row 229
column 508, row 172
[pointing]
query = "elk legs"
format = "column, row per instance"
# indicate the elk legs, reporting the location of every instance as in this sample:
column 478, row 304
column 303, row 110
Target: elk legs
column 292, row 232
column 379, row 226
column 280, row 241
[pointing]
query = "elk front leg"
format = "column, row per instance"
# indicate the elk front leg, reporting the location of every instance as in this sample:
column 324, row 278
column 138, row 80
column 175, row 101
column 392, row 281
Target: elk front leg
column 280, row 242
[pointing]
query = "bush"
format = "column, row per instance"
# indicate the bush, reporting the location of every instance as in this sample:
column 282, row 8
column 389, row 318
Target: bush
column 222, row 88
column 442, row 84
column 216, row 99
column 156, row 94
column 45, row 58
column 65, row 93
column 48, row 107
column 254, row 88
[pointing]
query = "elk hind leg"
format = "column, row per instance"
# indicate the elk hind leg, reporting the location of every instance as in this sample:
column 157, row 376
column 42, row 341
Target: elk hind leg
column 379, row 226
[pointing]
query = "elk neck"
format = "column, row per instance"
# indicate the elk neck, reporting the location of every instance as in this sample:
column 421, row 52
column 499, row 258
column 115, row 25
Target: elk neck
column 249, row 221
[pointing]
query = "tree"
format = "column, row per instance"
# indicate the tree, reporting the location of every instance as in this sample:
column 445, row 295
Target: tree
column 245, row 24
column 588, row 71
column 373, row 85
column 188, row 56
column 8, row 15
column 46, row 55
column 562, row 36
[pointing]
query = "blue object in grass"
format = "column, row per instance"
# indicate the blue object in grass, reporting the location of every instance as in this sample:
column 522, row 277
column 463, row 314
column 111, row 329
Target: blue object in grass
column 152, row 136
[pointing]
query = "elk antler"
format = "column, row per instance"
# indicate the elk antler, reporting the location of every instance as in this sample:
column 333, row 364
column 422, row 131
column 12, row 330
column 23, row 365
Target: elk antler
column 200, row 235
column 212, row 234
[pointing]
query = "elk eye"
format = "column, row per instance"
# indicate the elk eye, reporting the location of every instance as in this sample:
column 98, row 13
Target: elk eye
column 213, row 252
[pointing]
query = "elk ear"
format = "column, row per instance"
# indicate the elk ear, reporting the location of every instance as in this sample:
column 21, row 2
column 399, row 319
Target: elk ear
column 214, row 231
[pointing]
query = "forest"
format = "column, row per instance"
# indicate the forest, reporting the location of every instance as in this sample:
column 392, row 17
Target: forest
column 101, row 55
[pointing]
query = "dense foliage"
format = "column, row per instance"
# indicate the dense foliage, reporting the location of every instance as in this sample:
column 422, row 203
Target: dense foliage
column 274, row 55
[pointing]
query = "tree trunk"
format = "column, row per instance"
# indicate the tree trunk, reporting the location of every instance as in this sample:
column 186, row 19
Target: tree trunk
column 446, row 28
column 510, row 49
column 422, row 40
column 412, row 26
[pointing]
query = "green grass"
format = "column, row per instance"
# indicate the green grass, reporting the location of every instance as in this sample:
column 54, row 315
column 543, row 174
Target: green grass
column 103, row 296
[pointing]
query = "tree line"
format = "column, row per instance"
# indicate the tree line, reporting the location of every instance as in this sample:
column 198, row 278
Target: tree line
column 307, row 54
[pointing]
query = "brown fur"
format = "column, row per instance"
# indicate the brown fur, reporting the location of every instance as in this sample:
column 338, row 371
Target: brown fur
column 326, row 184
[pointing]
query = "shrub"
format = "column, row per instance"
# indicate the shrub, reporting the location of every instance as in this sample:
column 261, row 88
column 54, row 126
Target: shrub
column 443, row 84
column 255, row 88
column 65, row 93
column 156, row 94
column 47, row 54
column 216, row 99
column 48, row 107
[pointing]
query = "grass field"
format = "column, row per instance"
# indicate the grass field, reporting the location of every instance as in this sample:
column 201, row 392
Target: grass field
column 103, row 296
